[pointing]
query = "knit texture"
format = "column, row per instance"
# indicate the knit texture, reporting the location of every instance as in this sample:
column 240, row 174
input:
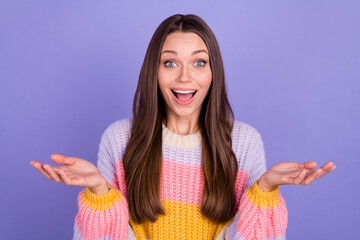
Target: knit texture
column 259, row 215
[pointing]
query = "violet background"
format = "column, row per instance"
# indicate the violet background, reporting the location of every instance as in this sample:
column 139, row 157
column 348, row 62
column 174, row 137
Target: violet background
column 68, row 69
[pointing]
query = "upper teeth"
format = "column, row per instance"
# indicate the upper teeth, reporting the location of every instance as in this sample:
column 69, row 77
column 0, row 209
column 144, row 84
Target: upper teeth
column 184, row 92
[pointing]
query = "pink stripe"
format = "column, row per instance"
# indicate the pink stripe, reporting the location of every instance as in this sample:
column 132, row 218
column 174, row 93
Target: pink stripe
column 184, row 182
column 256, row 223
column 112, row 223
column 240, row 185
column 119, row 178
column 180, row 182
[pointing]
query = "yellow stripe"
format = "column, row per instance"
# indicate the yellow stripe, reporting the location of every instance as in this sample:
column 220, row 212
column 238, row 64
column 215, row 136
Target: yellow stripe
column 182, row 221
column 263, row 199
column 101, row 202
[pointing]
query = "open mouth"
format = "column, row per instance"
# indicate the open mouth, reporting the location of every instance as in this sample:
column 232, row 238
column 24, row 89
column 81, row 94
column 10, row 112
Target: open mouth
column 183, row 96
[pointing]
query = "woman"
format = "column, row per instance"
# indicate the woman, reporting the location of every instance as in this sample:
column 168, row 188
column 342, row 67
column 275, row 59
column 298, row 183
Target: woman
column 182, row 168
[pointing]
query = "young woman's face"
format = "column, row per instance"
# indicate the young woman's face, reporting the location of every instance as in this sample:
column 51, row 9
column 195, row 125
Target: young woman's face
column 184, row 74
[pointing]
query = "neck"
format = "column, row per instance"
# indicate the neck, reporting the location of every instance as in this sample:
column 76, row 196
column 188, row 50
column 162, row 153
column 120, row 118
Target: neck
column 182, row 125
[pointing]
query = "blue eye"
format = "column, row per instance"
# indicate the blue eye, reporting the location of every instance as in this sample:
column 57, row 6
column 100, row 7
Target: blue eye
column 170, row 64
column 200, row 63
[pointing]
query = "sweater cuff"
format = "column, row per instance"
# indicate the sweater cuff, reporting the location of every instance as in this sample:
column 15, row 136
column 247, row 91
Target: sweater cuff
column 103, row 201
column 261, row 198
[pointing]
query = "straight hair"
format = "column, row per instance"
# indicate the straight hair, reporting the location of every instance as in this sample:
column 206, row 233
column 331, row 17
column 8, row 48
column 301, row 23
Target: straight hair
column 143, row 154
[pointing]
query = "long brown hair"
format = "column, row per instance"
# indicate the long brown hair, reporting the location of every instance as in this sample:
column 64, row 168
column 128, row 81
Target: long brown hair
column 143, row 154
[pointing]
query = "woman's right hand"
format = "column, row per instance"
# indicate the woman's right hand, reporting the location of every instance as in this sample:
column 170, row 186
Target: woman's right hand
column 76, row 171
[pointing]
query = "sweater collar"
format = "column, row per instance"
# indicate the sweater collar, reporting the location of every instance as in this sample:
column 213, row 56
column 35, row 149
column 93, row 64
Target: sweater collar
column 180, row 141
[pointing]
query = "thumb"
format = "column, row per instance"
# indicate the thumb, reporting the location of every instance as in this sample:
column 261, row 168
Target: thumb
column 310, row 164
column 61, row 159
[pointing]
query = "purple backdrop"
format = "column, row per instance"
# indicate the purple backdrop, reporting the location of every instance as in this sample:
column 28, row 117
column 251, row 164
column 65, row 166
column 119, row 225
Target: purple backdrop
column 68, row 69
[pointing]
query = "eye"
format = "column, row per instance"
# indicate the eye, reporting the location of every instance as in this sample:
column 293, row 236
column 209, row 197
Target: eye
column 170, row 64
column 200, row 63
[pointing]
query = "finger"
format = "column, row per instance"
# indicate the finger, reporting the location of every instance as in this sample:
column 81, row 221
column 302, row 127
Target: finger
column 328, row 169
column 325, row 169
column 312, row 176
column 58, row 168
column 297, row 172
column 301, row 177
column 65, row 177
column 61, row 159
column 52, row 173
column 40, row 168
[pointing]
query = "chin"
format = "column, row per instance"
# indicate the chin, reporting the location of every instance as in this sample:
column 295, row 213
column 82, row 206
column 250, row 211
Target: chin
column 185, row 112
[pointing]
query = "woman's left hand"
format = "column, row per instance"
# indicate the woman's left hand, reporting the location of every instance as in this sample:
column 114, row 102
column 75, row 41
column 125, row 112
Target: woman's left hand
column 285, row 173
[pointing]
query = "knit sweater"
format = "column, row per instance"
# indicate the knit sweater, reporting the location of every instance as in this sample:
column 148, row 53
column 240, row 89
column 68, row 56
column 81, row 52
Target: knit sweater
column 259, row 214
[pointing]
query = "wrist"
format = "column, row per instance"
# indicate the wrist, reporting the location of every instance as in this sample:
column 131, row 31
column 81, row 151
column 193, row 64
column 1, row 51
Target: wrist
column 101, row 189
column 264, row 186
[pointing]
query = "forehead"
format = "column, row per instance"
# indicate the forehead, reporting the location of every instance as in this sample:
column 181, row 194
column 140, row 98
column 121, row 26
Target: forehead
column 183, row 42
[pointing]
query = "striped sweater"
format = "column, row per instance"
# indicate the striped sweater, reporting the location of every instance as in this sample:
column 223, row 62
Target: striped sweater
column 259, row 214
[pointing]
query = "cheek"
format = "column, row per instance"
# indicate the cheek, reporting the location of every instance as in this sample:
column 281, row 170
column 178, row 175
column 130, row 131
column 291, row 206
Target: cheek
column 204, row 80
column 162, row 81
column 164, row 84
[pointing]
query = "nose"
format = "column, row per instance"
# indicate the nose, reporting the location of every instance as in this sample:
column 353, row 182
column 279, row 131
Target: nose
column 184, row 74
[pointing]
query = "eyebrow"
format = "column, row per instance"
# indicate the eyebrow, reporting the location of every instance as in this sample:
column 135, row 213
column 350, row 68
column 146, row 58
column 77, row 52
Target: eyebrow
column 193, row 53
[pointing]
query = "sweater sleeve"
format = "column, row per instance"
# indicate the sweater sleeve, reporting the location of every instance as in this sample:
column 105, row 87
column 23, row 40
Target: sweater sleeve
column 261, row 215
column 103, row 216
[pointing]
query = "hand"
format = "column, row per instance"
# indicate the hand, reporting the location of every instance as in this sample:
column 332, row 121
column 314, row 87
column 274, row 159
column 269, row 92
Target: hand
column 77, row 172
column 293, row 173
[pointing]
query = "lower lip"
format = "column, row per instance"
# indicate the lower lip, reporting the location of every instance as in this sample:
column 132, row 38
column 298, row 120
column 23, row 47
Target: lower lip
column 183, row 102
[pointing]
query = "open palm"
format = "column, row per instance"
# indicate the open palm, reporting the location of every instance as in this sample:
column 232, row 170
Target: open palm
column 285, row 173
column 76, row 171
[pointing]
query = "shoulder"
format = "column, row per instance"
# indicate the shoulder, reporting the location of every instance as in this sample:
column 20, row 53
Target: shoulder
column 117, row 135
column 245, row 131
column 246, row 142
column 119, row 128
